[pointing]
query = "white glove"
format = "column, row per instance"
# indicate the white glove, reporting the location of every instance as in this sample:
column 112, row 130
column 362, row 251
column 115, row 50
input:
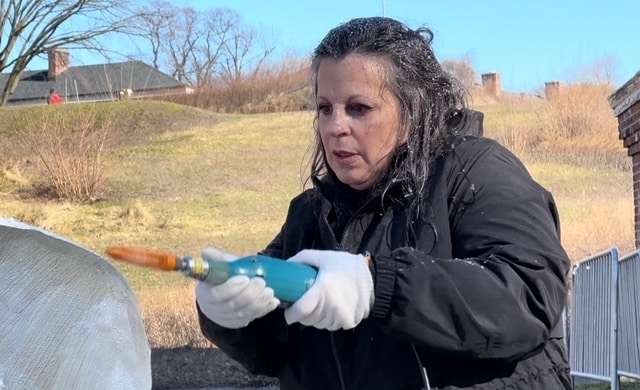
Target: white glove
column 236, row 302
column 342, row 294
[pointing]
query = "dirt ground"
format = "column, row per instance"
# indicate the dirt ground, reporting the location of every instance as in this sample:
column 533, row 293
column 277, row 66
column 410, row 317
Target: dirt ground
column 198, row 368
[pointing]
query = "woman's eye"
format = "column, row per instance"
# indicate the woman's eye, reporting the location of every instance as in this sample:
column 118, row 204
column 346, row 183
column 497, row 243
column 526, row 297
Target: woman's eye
column 358, row 108
column 324, row 109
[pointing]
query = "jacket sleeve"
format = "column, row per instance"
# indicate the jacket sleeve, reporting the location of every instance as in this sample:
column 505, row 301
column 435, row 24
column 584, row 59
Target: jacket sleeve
column 504, row 291
column 258, row 347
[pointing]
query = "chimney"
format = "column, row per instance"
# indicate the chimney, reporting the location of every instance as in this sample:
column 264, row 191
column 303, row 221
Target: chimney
column 491, row 85
column 58, row 63
column 552, row 89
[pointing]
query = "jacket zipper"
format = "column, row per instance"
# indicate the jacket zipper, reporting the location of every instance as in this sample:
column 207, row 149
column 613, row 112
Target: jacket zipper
column 345, row 230
column 334, row 351
column 339, row 246
column 334, row 348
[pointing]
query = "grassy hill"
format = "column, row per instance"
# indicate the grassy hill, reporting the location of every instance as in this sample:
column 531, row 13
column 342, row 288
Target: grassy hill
column 181, row 179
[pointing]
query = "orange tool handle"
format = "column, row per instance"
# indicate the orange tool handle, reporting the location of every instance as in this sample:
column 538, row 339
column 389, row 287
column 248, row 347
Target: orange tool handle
column 145, row 257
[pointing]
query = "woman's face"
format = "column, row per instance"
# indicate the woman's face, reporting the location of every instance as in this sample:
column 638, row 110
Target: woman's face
column 358, row 118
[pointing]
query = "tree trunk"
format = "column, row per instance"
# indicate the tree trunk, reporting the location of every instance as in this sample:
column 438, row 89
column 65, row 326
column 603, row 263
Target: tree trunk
column 12, row 83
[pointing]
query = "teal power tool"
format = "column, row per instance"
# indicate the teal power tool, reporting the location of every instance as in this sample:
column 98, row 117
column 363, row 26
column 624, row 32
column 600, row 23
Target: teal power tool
column 289, row 281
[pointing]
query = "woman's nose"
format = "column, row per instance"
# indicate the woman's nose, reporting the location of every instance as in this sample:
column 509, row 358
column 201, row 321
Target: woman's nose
column 338, row 124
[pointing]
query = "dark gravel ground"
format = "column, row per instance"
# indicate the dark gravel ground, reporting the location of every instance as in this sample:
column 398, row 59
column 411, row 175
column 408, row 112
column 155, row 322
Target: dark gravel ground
column 210, row 368
column 200, row 368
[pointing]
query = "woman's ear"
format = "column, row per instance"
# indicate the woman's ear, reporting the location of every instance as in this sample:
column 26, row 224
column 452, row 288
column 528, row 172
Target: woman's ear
column 403, row 137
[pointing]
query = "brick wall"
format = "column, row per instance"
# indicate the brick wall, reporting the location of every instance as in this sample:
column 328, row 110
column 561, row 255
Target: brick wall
column 636, row 195
column 629, row 127
column 626, row 105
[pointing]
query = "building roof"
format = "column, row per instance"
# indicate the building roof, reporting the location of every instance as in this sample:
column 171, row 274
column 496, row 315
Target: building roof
column 625, row 96
column 102, row 81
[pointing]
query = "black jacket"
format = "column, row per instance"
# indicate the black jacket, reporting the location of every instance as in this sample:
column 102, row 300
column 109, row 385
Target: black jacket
column 475, row 291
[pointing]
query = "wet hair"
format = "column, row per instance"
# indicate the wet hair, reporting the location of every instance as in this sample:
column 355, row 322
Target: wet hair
column 427, row 95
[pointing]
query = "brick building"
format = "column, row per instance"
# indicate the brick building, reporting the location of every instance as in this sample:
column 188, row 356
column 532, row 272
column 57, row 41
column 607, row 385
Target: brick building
column 625, row 102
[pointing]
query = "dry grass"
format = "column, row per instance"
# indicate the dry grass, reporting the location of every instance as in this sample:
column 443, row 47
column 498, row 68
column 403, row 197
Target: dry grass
column 589, row 229
column 12, row 177
column 577, row 127
column 280, row 87
column 170, row 317
column 226, row 180
column 595, row 207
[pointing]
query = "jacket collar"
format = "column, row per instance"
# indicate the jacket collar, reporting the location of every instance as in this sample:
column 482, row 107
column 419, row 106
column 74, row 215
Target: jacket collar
column 341, row 195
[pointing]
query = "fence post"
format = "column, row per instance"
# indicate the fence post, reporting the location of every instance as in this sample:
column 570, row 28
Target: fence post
column 613, row 353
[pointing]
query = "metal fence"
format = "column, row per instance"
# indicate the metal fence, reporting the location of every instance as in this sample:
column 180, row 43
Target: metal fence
column 592, row 321
column 629, row 316
column 604, row 313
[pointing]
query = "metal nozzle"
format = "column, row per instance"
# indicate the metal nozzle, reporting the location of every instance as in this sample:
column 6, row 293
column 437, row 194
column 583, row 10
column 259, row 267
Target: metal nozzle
column 195, row 268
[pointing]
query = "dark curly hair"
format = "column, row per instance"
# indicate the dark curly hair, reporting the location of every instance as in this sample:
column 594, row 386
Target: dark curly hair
column 427, row 95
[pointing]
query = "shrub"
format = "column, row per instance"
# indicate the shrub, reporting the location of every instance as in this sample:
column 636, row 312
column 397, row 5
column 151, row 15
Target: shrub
column 580, row 120
column 576, row 126
column 70, row 150
column 579, row 110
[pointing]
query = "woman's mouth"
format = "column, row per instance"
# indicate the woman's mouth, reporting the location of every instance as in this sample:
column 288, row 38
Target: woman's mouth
column 344, row 157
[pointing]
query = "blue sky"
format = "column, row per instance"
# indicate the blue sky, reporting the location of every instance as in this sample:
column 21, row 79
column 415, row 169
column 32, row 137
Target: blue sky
column 527, row 42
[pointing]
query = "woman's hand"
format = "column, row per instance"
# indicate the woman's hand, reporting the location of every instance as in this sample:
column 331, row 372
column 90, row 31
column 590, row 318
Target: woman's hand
column 342, row 294
column 236, row 302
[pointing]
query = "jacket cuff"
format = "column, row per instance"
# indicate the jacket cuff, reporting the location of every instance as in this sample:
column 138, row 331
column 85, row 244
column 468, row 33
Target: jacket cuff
column 384, row 279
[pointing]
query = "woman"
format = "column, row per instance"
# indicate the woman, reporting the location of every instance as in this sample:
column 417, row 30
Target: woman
column 439, row 259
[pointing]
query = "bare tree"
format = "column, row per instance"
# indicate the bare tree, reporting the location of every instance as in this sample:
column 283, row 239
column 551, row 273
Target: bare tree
column 243, row 54
column 30, row 28
column 155, row 22
column 462, row 69
column 602, row 71
column 182, row 39
column 177, row 37
column 219, row 25
column 200, row 48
